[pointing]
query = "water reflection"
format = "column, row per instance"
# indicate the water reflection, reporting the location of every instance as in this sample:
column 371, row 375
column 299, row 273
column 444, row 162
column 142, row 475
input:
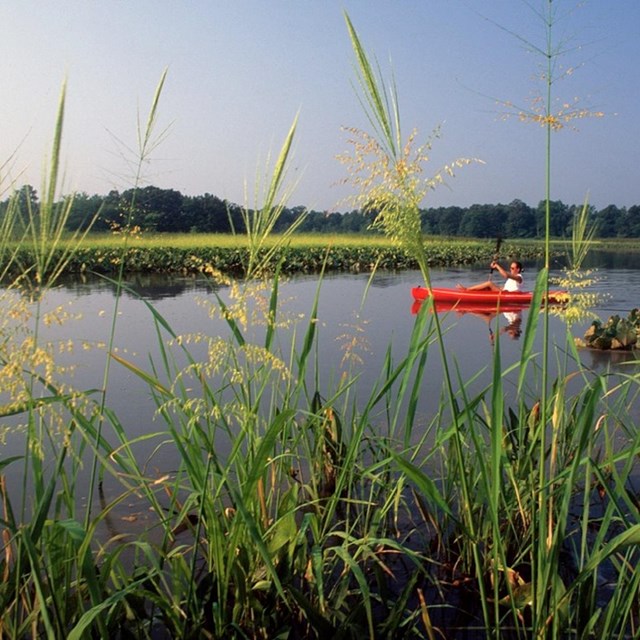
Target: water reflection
column 487, row 313
column 611, row 259
column 349, row 306
column 150, row 286
column 382, row 305
column 374, row 315
column 600, row 360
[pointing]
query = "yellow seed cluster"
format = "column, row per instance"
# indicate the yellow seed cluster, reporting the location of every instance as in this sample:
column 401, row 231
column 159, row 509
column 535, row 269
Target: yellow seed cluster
column 29, row 370
column 250, row 305
column 59, row 316
column 563, row 115
column 353, row 343
column 392, row 185
column 578, row 305
column 207, row 269
column 240, row 370
column 237, row 365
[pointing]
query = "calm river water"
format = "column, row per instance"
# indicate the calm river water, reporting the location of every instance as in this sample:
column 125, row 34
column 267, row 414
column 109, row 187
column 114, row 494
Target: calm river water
column 352, row 310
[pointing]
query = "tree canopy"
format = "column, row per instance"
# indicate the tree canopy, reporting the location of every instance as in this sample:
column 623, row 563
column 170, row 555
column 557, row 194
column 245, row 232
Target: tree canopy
column 167, row 210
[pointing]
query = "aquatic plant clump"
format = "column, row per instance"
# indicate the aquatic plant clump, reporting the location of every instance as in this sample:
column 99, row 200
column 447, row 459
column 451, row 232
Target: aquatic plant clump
column 616, row 334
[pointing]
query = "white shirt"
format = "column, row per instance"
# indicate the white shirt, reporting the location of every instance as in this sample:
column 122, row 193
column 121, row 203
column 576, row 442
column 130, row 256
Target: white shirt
column 513, row 285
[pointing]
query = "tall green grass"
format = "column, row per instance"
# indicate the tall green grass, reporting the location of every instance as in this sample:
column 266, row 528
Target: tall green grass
column 42, row 542
column 516, row 474
column 295, row 507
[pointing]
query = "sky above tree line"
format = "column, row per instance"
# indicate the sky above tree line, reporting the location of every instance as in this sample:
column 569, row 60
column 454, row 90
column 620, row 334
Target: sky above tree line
column 240, row 70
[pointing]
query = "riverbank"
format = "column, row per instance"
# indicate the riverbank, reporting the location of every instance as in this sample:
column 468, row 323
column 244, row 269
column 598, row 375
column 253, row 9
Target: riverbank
column 227, row 254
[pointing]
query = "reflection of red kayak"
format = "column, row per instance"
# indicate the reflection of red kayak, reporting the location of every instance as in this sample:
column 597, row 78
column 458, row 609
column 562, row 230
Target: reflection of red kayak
column 479, row 308
column 476, row 307
column 486, row 299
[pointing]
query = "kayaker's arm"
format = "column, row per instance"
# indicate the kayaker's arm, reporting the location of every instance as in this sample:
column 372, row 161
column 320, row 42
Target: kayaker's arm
column 514, row 274
column 515, row 270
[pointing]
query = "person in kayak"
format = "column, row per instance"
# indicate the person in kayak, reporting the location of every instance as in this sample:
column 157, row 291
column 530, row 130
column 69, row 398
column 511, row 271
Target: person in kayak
column 514, row 282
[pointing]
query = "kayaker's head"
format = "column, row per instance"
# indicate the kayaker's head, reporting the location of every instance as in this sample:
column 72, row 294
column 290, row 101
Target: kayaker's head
column 516, row 267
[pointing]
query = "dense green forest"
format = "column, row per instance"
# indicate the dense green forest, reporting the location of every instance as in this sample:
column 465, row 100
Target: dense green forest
column 168, row 210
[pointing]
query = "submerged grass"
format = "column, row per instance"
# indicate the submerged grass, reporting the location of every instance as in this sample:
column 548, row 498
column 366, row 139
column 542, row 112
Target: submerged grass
column 295, row 508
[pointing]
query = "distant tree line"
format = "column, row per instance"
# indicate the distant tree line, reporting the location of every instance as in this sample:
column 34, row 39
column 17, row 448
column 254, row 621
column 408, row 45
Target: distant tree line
column 168, row 210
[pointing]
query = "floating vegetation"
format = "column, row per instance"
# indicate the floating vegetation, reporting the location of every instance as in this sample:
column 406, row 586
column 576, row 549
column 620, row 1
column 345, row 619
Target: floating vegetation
column 214, row 254
column 616, row 334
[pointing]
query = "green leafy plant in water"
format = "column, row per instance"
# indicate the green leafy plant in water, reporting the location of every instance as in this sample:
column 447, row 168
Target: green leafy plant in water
column 516, row 476
column 286, row 523
column 540, row 462
column 284, row 504
column 48, row 553
column 287, row 530
column 387, row 173
column 574, row 279
column 616, row 333
column 45, row 549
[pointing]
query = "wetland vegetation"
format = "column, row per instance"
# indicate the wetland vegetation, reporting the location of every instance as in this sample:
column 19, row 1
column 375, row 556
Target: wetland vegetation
column 298, row 510
column 228, row 254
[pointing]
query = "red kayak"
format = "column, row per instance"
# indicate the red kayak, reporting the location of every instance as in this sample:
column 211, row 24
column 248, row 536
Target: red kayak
column 495, row 299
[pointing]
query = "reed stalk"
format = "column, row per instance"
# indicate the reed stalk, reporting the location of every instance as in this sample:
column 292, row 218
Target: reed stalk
column 148, row 140
column 39, row 538
column 259, row 221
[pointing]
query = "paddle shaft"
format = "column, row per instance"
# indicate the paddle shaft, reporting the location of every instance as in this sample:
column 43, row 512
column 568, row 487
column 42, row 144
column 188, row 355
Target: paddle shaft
column 496, row 255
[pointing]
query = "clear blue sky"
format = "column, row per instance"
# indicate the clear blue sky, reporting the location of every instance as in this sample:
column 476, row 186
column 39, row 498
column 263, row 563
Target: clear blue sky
column 240, row 70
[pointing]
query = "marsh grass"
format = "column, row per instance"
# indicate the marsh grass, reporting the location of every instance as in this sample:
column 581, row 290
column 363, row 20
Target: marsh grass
column 260, row 220
column 386, row 169
column 228, row 240
column 514, row 473
column 296, row 508
column 574, row 278
column 44, row 227
column 40, row 539
column 229, row 257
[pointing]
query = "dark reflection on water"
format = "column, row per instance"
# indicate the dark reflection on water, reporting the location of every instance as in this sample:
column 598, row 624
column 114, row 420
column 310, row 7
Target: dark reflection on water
column 599, row 259
column 615, row 361
column 611, row 259
column 150, row 286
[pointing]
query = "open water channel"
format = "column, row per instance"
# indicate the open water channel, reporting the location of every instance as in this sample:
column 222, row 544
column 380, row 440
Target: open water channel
column 357, row 315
